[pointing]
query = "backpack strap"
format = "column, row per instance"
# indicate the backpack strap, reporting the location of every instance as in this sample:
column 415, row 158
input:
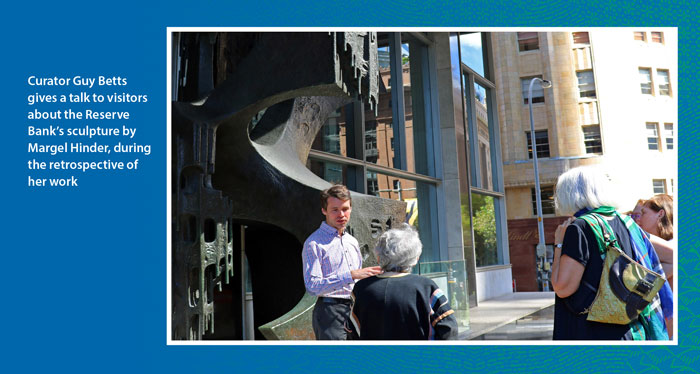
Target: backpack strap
column 603, row 232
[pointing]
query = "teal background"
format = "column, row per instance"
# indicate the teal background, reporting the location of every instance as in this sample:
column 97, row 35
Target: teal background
column 84, row 270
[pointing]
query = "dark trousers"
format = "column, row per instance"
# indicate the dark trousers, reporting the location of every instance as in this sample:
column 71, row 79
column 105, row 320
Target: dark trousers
column 329, row 318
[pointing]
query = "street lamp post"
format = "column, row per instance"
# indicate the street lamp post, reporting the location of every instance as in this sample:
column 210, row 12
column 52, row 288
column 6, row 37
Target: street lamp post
column 541, row 247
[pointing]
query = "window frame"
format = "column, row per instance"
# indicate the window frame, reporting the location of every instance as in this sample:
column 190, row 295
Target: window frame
column 538, row 144
column 524, row 40
column 594, row 90
column 525, row 87
column 650, row 82
column 494, row 188
column 586, row 146
column 660, row 37
column 546, row 196
column 643, row 35
column 666, row 89
column 575, row 33
column 655, row 135
column 668, row 136
column 662, row 186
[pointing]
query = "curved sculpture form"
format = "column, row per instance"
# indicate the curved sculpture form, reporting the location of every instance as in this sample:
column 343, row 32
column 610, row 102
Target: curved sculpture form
column 247, row 144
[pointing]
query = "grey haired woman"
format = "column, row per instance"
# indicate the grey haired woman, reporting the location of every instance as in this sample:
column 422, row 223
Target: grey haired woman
column 585, row 194
column 397, row 305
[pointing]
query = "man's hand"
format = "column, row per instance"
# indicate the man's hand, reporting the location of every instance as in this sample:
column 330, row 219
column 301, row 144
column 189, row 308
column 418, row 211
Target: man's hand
column 365, row 272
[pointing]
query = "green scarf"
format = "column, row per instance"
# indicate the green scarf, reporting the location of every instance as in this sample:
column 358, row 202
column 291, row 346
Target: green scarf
column 597, row 230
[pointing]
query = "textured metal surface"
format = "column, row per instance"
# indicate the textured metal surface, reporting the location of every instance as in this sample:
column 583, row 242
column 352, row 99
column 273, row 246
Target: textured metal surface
column 202, row 250
column 241, row 156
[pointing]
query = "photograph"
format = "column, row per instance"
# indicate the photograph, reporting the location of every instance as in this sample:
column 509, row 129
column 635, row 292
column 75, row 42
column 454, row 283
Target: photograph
column 363, row 186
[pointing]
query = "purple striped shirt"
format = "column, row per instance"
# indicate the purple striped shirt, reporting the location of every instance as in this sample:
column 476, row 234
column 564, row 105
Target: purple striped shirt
column 328, row 258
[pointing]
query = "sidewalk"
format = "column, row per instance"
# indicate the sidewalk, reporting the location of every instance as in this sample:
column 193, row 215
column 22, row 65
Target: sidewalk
column 498, row 312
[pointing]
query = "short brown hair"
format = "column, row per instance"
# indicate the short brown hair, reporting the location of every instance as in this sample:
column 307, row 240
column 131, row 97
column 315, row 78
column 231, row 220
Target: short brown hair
column 665, row 224
column 338, row 191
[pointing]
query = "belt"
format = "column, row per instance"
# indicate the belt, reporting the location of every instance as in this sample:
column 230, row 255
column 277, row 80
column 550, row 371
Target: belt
column 333, row 300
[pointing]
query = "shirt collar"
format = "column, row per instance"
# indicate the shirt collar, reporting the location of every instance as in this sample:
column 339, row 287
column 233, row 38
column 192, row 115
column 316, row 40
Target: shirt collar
column 582, row 212
column 330, row 230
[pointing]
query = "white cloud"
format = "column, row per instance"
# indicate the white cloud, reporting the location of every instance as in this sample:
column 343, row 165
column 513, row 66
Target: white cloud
column 472, row 40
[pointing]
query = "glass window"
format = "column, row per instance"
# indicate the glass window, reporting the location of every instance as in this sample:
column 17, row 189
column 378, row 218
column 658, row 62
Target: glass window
column 537, row 90
column 580, row 37
column 591, row 139
column 466, row 218
column 481, row 193
column 668, row 135
column 378, row 127
column 640, row 35
column 416, row 98
column 407, row 76
column 480, row 95
column 372, row 183
column 547, row 198
column 652, row 136
column 329, row 171
column 528, row 41
column 542, row 141
column 657, row 36
column 394, row 188
column 664, row 83
column 417, row 199
column 586, row 84
column 659, row 186
column 471, row 51
column 483, row 137
column 341, row 135
column 371, row 145
column 485, row 242
column 645, row 80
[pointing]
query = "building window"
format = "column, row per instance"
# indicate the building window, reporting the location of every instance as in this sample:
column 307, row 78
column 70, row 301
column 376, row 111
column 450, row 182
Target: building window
column 652, row 136
column 372, row 183
column 537, row 90
column 657, row 37
column 580, row 37
column 542, row 141
column 659, row 186
column 640, row 35
column 664, row 83
column 547, row 198
column 586, row 84
column 592, row 140
column 528, row 41
column 668, row 135
column 645, row 80
column 371, row 143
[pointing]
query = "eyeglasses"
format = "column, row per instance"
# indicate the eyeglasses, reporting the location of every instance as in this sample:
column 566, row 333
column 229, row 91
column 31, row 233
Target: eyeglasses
column 635, row 216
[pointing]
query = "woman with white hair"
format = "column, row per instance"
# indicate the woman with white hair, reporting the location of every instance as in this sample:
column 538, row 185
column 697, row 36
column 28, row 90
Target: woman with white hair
column 579, row 252
column 397, row 305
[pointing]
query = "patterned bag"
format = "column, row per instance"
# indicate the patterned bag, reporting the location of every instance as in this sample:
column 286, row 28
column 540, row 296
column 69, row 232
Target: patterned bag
column 626, row 287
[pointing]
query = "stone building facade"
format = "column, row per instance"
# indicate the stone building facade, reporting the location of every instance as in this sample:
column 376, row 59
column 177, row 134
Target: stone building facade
column 612, row 103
